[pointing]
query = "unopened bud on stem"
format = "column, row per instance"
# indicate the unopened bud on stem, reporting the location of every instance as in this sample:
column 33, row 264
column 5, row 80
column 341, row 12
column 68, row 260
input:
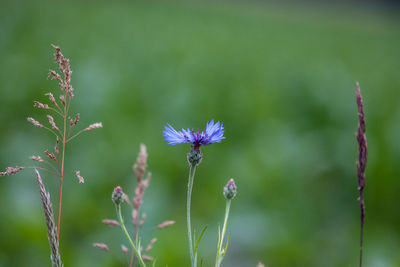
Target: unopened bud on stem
column 230, row 189
column 117, row 195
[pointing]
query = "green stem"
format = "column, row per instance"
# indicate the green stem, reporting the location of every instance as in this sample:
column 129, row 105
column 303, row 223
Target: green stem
column 222, row 236
column 121, row 220
column 189, row 197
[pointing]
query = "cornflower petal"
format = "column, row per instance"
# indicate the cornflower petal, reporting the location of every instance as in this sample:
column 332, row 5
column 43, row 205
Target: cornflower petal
column 174, row 137
column 214, row 133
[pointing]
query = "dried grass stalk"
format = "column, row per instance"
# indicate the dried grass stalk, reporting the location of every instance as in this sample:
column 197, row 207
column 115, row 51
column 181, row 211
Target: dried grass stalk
column 361, row 164
column 51, row 227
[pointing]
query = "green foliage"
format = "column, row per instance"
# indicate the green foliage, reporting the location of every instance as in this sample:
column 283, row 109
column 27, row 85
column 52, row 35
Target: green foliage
column 196, row 245
column 282, row 79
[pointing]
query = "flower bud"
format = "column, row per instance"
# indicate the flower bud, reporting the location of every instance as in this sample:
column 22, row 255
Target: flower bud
column 194, row 156
column 230, row 190
column 117, row 195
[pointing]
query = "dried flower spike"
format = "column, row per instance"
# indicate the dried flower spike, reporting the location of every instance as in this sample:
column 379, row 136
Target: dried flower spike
column 141, row 163
column 361, row 164
column 51, row 227
column 139, row 169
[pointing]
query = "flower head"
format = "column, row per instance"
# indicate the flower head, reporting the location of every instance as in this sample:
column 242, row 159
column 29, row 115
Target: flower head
column 214, row 133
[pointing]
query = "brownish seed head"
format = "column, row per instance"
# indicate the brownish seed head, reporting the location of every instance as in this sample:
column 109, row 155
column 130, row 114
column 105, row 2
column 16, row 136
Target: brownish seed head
column 56, row 146
column 62, row 99
column 52, row 99
column 165, row 224
column 147, row 258
column 101, row 246
column 35, row 122
column 124, row 249
column 150, row 245
column 111, row 222
column 52, row 123
column 11, row 170
column 37, row 158
column 143, row 220
column 78, row 174
column 94, row 126
column 50, row 155
column 40, row 105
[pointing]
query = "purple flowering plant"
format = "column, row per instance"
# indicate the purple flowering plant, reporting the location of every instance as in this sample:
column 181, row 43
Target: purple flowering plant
column 214, row 133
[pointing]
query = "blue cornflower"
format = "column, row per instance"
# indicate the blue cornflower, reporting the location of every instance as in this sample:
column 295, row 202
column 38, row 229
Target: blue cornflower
column 214, row 133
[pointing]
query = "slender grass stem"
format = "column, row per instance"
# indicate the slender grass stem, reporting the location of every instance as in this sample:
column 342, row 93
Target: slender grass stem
column 219, row 258
column 135, row 236
column 189, row 197
column 75, row 135
column 362, row 207
column 52, row 166
column 39, row 168
column 361, row 244
column 55, row 110
column 50, row 130
column 121, row 220
column 62, row 170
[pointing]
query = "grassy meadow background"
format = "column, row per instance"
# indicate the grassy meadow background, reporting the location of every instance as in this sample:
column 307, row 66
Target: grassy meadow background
column 282, row 79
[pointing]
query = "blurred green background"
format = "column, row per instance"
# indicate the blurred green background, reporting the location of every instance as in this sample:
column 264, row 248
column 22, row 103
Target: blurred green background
column 282, row 79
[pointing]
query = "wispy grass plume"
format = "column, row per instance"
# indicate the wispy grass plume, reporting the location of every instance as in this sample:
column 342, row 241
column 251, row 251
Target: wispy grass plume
column 60, row 124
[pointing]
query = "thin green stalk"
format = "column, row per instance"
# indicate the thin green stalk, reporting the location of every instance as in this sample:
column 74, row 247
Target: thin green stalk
column 189, row 197
column 219, row 258
column 121, row 220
